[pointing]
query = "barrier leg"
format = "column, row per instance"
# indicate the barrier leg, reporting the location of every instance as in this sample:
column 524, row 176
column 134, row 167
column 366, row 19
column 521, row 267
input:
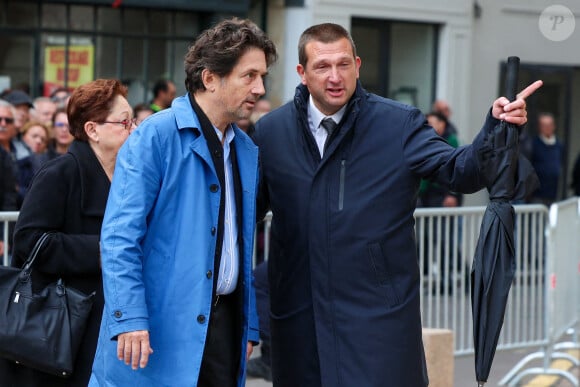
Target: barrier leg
column 514, row 371
column 542, row 371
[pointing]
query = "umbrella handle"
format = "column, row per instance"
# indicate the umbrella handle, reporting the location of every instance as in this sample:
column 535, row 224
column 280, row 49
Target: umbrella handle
column 511, row 77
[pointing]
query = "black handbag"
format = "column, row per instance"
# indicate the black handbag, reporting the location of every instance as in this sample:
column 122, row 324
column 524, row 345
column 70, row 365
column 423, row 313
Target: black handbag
column 41, row 330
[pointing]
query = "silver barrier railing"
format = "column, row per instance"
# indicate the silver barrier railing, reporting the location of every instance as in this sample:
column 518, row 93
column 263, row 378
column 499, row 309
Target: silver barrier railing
column 6, row 218
column 446, row 241
column 562, row 287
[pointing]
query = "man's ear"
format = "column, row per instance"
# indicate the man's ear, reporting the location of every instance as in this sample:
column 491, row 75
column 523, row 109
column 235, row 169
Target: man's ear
column 209, row 79
column 300, row 71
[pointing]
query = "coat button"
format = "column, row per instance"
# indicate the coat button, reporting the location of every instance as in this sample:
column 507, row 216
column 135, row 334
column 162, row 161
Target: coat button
column 213, row 230
column 118, row 314
column 217, row 153
column 213, row 188
column 201, row 319
column 208, row 274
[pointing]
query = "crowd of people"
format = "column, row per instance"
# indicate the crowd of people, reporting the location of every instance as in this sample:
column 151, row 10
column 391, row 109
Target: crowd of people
column 159, row 220
column 34, row 131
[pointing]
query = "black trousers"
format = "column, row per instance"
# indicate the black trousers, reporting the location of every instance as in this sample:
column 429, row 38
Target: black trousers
column 220, row 365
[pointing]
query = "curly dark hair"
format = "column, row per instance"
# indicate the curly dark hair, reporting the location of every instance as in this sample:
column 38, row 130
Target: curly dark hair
column 92, row 102
column 219, row 48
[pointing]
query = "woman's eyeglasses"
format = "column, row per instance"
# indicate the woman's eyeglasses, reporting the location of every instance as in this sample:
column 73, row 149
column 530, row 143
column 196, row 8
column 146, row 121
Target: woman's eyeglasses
column 127, row 124
column 60, row 125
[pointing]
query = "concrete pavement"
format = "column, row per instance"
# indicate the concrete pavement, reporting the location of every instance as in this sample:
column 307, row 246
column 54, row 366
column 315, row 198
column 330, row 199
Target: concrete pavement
column 465, row 375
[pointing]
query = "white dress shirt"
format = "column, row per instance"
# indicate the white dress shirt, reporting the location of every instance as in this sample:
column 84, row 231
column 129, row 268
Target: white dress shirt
column 315, row 118
column 229, row 264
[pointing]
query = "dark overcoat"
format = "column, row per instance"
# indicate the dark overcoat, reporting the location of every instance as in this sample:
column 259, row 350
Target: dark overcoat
column 67, row 197
column 343, row 269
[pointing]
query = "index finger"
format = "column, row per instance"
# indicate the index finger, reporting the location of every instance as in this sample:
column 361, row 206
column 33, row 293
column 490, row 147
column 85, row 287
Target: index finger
column 531, row 89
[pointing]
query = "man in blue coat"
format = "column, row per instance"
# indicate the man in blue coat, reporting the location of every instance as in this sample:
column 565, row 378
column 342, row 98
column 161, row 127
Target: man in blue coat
column 178, row 231
column 343, row 270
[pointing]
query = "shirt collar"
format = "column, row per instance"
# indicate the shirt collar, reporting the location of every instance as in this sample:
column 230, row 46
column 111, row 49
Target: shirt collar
column 317, row 116
column 548, row 140
column 229, row 134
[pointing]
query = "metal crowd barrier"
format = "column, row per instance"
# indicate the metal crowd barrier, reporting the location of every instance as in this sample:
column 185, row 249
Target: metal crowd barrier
column 6, row 218
column 562, row 287
column 544, row 301
column 446, row 241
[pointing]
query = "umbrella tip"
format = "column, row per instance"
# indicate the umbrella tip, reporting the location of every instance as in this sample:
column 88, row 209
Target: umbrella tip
column 480, row 384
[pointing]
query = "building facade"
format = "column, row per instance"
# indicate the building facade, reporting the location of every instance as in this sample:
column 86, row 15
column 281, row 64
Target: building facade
column 417, row 51
column 414, row 51
column 51, row 43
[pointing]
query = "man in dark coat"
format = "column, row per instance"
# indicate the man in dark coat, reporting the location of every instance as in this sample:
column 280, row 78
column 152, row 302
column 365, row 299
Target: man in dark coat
column 343, row 270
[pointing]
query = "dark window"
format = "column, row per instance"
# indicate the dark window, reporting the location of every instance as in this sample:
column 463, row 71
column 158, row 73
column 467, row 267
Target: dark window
column 398, row 59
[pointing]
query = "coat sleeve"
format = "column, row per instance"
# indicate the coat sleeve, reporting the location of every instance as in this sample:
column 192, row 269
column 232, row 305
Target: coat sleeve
column 431, row 157
column 134, row 189
column 44, row 210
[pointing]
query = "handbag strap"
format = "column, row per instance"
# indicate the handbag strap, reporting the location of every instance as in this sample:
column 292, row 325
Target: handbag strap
column 37, row 246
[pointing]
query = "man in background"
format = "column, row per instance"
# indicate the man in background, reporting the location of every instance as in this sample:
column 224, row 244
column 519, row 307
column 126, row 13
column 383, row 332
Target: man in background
column 22, row 103
column 547, row 159
column 163, row 94
column 43, row 111
column 441, row 106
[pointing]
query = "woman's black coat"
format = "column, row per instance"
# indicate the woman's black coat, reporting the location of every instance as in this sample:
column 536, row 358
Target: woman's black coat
column 67, row 198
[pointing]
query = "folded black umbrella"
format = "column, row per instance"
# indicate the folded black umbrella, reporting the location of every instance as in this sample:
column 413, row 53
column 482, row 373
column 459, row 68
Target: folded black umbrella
column 508, row 177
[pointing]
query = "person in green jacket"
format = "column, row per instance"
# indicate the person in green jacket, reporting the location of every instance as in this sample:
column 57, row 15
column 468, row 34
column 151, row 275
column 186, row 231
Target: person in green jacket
column 433, row 194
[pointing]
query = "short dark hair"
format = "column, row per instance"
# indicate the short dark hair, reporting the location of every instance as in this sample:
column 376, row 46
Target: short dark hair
column 141, row 107
column 546, row 114
column 58, row 90
column 159, row 86
column 92, row 102
column 439, row 116
column 324, row 33
column 219, row 49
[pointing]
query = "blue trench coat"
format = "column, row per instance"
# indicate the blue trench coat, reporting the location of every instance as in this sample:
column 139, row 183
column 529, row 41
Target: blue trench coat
column 343, row 268
column 157, row 247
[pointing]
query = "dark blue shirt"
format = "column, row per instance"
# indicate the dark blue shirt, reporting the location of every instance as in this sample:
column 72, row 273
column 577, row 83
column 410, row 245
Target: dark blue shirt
column 547, row 161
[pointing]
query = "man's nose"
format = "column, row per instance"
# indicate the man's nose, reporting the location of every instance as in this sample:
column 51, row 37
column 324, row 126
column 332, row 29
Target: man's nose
column 334, row 74
column 259, row 86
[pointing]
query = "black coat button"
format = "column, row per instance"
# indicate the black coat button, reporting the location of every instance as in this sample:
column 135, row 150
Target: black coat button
column 213, row 188
column 201, row 319
column 217, row 153
column 118, row 314
column 208, row 274
column 213, row 230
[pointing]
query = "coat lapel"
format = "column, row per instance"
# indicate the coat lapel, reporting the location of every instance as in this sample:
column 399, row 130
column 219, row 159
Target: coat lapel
column 345, row 129
column 247, row 154
column 199, row 147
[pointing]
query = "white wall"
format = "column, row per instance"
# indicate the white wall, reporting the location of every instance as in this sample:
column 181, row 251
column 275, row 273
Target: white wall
column 508, row 28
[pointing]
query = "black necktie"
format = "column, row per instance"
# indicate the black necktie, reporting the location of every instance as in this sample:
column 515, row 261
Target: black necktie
column 329, row 125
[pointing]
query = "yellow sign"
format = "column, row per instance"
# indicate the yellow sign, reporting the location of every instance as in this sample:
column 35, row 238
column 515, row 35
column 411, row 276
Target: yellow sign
column 80, row 67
